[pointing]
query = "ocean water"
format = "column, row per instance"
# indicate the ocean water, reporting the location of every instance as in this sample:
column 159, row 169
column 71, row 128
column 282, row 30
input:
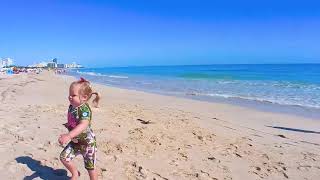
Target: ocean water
column 290, row 85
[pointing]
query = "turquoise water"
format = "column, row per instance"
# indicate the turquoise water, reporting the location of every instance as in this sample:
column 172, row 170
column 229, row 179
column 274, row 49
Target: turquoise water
column 282, row 84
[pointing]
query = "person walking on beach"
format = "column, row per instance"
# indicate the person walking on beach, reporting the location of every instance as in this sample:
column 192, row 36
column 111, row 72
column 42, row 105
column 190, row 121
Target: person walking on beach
column 80, row 136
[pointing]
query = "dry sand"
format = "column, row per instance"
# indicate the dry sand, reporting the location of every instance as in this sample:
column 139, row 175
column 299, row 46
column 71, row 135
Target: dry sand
column 148, row 136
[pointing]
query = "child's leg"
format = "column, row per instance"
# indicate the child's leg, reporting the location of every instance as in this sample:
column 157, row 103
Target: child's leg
column 72, row 168
column 93, row 174
column 89, row 157
column 68, row 153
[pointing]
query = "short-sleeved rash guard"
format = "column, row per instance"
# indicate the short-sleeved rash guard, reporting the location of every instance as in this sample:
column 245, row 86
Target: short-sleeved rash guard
column 77, row 114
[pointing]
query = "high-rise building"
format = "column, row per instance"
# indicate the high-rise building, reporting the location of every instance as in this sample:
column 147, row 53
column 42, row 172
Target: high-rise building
column 52, row 65
column 6, row 62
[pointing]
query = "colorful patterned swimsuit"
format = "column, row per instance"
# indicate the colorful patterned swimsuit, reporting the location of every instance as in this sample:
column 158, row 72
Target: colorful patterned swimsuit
column 84, row 143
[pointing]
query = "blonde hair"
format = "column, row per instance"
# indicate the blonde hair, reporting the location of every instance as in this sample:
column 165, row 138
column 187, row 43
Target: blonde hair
column 86, row 89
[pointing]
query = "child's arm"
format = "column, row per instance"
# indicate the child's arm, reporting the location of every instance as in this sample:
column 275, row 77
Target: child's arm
column 78, row 129
column 64, row 138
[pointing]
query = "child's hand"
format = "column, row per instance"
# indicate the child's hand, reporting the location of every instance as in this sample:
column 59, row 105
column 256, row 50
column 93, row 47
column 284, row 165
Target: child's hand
column 64, row 138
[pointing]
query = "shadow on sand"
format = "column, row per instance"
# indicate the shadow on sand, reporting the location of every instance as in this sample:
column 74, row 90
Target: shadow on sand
column 43, row 172
column 294, row 129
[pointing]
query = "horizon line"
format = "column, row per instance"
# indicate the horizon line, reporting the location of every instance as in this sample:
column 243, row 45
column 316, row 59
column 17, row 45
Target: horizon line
column 204, row 65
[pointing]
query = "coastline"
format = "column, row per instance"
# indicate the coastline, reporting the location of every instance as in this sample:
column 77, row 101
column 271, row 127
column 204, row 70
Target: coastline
column 273, row 88
column 264, row 106
column 185, row 139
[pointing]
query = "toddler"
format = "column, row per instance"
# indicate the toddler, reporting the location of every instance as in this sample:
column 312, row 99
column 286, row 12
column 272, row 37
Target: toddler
column 80, row 136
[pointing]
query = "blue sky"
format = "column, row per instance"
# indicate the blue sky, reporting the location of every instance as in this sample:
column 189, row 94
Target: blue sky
column 166, row 32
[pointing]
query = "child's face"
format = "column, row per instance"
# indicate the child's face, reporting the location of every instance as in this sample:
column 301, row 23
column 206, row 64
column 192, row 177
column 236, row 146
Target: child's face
column 75, row 98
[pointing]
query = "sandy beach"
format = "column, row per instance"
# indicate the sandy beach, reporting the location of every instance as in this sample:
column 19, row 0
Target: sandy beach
column 149, row 136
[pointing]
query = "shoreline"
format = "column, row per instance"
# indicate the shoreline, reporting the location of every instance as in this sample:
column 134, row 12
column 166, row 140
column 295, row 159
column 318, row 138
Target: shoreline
column 276, row 84
column 264, row 106
column 183, row 139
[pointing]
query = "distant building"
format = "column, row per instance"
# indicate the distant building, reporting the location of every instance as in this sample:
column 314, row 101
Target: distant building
column 42, row 64
column 73, row 65
column 61, row 65
column 39, row 65
column 6, row 62
column 52, row 65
